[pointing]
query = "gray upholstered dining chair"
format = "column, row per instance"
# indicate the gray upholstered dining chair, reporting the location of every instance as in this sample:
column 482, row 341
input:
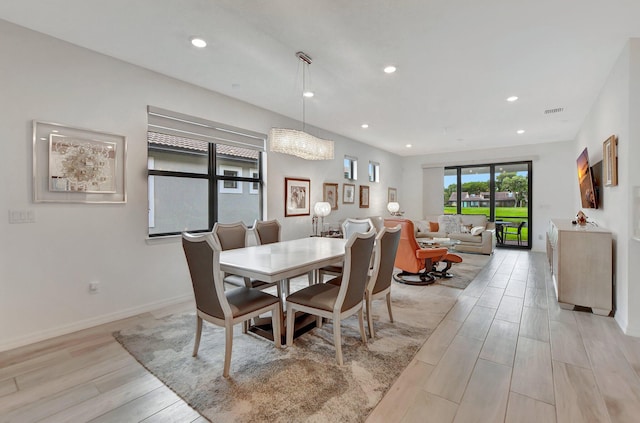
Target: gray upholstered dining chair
column 220, row 307
column 268, row 232
column 337, row 302
column 349, row 227
column 380, row 279
column 231, row 236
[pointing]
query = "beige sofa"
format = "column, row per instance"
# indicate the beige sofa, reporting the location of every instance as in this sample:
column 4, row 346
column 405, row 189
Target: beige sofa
column 475, row 233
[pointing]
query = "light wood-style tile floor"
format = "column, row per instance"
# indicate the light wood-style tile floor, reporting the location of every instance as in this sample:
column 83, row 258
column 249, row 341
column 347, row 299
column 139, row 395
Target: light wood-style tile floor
column 504, row 353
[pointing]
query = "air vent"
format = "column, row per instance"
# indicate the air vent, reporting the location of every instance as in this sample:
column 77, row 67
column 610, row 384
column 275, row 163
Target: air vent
column 556, row 110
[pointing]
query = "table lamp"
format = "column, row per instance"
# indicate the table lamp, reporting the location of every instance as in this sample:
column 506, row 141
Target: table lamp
column 394, row 208
column 322, row 210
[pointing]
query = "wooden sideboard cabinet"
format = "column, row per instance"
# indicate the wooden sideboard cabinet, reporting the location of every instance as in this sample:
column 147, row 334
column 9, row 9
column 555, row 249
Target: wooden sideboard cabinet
column 582, row 264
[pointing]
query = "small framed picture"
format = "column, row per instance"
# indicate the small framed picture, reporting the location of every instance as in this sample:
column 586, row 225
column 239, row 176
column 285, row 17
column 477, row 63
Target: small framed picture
column 330, row 194
column 296, row 197
column 393, row 195
column 348, row 193
column 364, row 197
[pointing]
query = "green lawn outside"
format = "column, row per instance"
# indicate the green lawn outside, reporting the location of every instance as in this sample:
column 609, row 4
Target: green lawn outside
column 506, row 212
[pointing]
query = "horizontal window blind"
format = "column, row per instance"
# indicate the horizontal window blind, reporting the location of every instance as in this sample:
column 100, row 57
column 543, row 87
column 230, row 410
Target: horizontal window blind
column 180, row 125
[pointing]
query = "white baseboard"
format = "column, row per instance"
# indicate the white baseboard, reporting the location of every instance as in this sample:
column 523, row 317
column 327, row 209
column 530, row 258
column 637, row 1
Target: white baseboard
column 49, row 333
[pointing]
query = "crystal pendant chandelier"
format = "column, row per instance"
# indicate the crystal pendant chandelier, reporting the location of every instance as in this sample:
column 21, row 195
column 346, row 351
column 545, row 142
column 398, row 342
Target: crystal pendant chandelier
column 300, row 143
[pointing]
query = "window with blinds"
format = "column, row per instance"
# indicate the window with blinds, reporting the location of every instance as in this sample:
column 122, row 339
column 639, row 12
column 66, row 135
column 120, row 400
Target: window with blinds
column 201, row 172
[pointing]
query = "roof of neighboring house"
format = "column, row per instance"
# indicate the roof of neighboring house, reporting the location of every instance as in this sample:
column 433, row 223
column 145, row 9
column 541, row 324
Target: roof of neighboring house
column 500, row 196
column 198, row 145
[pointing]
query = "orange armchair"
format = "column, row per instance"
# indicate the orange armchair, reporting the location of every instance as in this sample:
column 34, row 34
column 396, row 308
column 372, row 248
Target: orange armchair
column 417, row 264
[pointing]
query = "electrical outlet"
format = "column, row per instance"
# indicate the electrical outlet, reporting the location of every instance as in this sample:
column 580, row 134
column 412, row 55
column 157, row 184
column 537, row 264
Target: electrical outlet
column 93, row 287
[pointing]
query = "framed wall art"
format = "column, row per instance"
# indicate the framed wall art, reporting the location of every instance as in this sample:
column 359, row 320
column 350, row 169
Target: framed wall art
column 348, row 193
column 610, row 161
column 330, row 194
column 393, row 196
column 296, row 197
column 77, row 165
column 364, row 196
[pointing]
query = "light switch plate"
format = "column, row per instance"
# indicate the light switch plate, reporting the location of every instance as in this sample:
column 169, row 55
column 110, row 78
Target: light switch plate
column 22, row 216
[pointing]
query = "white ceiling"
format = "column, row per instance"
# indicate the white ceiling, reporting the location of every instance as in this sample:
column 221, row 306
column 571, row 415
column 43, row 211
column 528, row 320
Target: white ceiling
column 457, row 60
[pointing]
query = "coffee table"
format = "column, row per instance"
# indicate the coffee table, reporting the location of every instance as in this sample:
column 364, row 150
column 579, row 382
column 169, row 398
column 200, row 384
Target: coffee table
column 436, row 243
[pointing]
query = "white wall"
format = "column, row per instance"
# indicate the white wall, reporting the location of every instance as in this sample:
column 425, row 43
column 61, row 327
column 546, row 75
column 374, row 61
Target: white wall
column 281, row 166
column 46, row 266
column 554, row 181
column 612, row 114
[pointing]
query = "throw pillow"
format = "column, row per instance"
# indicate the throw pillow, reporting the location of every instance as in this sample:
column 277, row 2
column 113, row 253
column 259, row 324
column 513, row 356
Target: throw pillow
column 449, row 223
column 434, row 227
column 421, row 226
column 477, row 230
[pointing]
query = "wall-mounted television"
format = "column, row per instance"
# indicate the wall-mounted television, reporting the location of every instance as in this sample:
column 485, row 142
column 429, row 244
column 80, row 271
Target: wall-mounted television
column 588, row 193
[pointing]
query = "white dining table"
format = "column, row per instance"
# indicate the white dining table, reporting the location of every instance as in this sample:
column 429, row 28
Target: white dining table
column 279, row 261
column 285, row 259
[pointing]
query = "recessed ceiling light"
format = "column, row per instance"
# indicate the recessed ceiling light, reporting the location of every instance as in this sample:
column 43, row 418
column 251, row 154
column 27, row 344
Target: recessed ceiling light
column 198, row 42
column 308, row 94
column 364, row 125
column 512, row 98
column 408, row 146
column 390, row 69
column 520, row 131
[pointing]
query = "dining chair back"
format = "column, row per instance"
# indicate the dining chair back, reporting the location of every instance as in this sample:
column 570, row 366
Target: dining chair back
column 351, row 226
column 337, row 301
column 267, row 231
column 230, row 236
column 213, row 303
column 380, row 281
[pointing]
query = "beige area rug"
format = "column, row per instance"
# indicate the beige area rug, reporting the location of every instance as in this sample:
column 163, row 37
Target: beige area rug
column 298, row 384
column 465, row 272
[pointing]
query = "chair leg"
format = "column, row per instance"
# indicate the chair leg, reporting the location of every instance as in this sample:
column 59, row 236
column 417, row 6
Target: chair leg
column 290, row 323
column 279, row 291
column 196, row 344
column 275, row 324
column 369, row 314
column 310, row 277
column 389, row 306
column 363, row 335
column 228, row 345
column 337, row 339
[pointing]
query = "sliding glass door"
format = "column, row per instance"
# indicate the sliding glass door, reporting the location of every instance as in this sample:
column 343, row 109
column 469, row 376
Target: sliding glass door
column 500, row 191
